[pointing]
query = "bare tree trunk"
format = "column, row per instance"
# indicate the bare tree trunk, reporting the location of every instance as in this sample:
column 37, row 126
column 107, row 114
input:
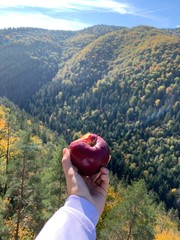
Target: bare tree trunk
column 129, row 233
column 21, row 196
column 7, row 154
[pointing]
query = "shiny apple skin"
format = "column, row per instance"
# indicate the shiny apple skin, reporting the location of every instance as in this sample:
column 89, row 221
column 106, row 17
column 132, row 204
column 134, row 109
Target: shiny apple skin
column 89, row 158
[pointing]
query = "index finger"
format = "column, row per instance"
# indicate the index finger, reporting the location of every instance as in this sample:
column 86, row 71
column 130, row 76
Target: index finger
column 66, row 161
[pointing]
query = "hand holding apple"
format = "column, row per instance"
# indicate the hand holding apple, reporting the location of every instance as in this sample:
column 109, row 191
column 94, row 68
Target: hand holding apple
column 93, row 188
column 89, row 153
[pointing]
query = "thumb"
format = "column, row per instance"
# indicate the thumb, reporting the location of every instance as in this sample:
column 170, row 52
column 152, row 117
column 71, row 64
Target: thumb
column 66, row 161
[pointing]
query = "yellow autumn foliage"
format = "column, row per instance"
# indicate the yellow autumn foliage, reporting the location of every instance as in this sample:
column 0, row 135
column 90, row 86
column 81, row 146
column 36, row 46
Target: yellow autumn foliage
column 113, row 198
column 2, row 116
column 25, row 233
column 29, row 122
column 157, row 102
column 2, row 123
column 166, row 228
column 173, row 190
column 7, row 141
column 36, row 140
column 167, row 235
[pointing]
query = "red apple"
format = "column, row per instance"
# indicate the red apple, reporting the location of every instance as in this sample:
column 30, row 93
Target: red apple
column 89, row 153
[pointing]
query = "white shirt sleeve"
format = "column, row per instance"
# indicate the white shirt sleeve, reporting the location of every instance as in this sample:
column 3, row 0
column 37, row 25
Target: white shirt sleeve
column 77, row 219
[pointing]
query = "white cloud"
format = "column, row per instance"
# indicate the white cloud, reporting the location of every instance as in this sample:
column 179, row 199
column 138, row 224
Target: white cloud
column 69, row 5
column 38, row 20
column 13, row 13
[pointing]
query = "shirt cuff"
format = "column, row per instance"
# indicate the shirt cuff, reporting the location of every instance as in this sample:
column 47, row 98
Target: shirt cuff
column 84, row 206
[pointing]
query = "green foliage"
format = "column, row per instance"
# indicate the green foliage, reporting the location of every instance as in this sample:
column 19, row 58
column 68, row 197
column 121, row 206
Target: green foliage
column 31, row 57
column 117, row 82
column 133, row 218
column 124, row 85
column 32, row 185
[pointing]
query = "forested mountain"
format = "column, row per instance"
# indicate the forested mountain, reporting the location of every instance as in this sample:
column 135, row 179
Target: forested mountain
column 31, row 57
column 122, row 83
column 125, row 86
column 173, row 32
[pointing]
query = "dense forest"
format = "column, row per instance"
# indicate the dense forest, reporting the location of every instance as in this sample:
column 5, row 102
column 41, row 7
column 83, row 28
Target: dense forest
column 121, row 83
column 32, row 184
column 33, row 187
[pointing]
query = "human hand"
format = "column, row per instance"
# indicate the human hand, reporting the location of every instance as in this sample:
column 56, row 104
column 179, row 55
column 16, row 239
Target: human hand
column 93, row 188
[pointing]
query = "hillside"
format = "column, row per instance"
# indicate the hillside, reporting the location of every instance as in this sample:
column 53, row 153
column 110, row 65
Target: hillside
column 31, row 57
column 31, row 184
column 124, row 86
column 120, row 83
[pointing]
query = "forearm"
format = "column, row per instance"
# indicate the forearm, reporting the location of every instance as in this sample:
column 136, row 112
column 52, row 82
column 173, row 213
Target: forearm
column 76, row 219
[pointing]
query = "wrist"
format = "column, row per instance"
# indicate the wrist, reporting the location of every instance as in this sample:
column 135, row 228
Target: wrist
column 84, row 206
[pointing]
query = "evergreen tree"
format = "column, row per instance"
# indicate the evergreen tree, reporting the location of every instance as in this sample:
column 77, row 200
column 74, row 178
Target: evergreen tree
column 133, row 218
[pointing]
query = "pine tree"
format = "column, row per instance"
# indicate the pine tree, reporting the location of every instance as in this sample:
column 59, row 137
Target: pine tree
column 133, row 218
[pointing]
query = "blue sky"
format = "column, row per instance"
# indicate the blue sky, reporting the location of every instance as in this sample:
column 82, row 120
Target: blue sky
column 79, row 14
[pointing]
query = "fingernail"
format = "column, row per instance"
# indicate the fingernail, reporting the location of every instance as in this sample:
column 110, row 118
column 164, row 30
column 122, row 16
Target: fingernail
column 64, row 151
